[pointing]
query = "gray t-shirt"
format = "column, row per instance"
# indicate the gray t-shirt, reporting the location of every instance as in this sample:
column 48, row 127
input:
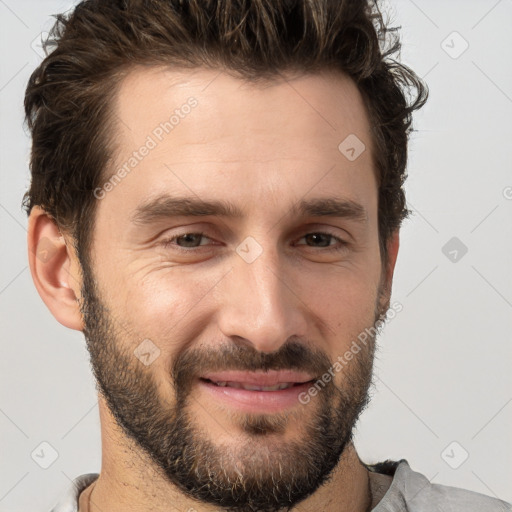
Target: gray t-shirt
column 409, row 492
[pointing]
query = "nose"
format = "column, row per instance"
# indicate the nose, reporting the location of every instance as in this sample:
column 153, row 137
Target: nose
column 262, row 303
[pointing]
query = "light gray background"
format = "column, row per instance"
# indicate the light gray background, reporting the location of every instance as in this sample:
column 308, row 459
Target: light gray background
column 443, row 369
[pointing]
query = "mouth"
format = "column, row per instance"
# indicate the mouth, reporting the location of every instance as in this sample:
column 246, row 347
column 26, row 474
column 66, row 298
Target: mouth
column 261, row 392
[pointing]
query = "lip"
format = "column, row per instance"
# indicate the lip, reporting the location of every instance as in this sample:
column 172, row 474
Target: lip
column 256, row 401
column 260, row 378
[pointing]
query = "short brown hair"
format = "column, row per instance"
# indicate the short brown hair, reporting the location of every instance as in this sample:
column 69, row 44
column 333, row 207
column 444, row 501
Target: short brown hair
column 69, row 97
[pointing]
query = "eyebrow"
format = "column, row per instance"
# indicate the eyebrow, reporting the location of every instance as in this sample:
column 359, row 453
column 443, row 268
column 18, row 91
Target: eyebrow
column 166, row 206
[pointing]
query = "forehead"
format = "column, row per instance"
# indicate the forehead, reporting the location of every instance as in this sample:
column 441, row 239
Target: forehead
column 327, row 103
column 209, row 132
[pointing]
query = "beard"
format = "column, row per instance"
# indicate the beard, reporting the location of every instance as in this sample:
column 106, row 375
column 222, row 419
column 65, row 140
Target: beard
column 260, row 470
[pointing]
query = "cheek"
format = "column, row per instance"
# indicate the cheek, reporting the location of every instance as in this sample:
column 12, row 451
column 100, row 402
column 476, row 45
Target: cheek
column 345, row 301
column 168, row 304
column 345, row 304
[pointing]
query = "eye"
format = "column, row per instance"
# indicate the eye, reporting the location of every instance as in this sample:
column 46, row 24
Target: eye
column 190, row 241
column 324, row 238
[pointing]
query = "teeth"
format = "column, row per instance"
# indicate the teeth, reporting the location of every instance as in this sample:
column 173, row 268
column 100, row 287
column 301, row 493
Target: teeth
column 249, row 387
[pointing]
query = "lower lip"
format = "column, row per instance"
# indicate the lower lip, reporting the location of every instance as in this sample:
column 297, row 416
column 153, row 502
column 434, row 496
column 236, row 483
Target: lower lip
column 255, row 401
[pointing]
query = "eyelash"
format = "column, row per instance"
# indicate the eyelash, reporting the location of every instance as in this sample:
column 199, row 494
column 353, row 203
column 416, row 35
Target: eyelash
column 168, row 243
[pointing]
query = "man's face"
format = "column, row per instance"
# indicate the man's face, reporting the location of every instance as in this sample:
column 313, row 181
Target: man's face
column 271, row 289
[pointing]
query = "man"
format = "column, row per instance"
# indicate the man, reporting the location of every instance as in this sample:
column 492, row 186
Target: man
column 219, row 186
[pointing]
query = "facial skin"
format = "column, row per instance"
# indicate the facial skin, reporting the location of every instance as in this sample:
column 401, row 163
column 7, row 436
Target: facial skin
column 298, row 305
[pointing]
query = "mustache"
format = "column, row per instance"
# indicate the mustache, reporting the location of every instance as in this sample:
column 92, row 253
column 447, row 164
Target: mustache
column 293, row 355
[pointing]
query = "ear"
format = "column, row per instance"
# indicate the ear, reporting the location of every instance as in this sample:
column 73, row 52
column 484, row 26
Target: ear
column 387, row 273
column 55, row 269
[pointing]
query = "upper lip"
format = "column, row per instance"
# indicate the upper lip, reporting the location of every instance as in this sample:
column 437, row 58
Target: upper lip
column 270, row 378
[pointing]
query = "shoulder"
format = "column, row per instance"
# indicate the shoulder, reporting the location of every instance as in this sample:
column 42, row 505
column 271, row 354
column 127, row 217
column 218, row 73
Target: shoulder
column 69, row 500
column 410, row 491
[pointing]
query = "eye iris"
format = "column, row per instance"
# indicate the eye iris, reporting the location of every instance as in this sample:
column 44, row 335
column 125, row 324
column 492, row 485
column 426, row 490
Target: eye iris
column 315, row 235
column 190, row 236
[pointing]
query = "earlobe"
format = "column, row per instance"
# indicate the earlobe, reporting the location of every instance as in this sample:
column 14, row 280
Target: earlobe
column 54, row 268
